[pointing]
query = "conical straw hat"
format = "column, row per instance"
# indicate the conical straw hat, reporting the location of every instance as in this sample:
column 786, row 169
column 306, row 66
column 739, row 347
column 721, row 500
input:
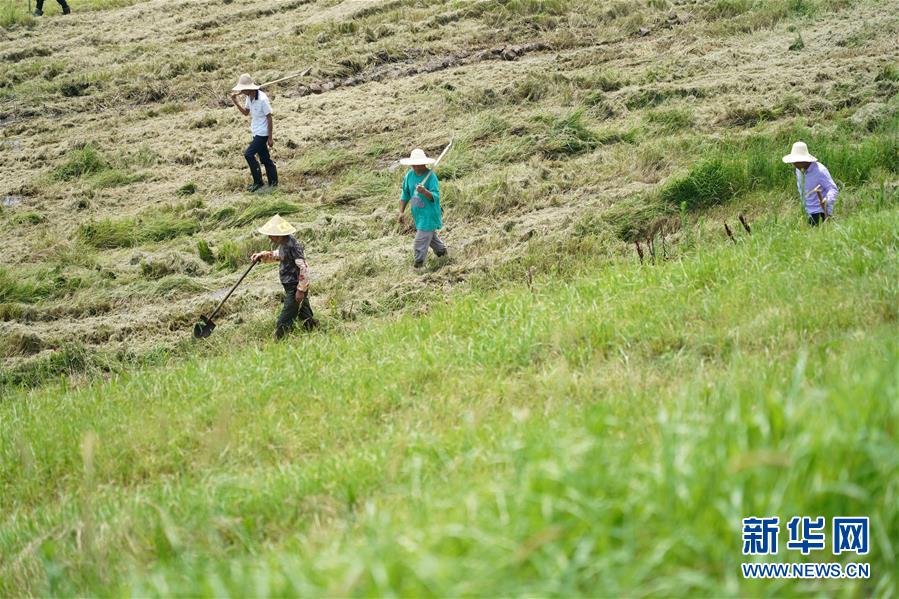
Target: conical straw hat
column 277, row 226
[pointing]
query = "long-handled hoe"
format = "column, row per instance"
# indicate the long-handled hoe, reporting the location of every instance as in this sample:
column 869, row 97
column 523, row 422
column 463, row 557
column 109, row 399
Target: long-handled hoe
column 821, row 201
column 204, row 327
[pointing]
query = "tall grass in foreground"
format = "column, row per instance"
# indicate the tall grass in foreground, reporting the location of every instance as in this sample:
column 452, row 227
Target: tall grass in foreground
column 599, row 436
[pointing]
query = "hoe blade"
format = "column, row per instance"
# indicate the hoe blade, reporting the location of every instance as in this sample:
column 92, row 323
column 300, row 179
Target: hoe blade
column 203, row 328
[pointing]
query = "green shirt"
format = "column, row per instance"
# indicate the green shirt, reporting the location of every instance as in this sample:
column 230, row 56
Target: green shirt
column 426, row 212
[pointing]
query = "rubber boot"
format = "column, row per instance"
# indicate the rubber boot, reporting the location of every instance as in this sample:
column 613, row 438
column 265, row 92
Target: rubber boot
column 65, row 8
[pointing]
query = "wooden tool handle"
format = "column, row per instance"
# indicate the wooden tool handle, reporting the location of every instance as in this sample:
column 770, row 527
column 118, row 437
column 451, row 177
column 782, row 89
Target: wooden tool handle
column 239, row 281
column 821, row 200
column 436, row 162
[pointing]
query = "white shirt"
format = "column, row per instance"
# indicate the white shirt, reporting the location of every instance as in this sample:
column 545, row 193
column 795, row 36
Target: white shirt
column 259, row 109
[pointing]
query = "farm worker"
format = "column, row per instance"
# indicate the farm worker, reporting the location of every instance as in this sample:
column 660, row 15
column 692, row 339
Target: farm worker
column 39, row 8
column 293, row 272
column 812, row 177
column 256, row 105
column 422, row 190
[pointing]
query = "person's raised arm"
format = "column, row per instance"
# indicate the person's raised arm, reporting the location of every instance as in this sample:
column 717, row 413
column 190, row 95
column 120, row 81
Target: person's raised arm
column 237, row 105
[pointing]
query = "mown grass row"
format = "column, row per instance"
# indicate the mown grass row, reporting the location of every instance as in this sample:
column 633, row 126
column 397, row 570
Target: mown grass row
column 174, row 221
column 605, row 434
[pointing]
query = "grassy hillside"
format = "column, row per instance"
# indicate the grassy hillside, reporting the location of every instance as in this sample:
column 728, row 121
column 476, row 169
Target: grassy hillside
column 121, row 174
column 598, row 435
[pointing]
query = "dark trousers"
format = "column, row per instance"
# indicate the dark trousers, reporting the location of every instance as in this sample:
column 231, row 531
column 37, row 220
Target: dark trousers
column 40, row 4
column 816, row 218
column 291, row 310
column 259, row 146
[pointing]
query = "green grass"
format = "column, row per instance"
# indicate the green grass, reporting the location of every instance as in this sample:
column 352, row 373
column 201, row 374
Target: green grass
column 671, row 120
column 256, row 210
column 737, row 166
column 322, row 161
column 15, row 12
column 13, row 288
column 88, row 163
column 84, row 161
column 128, row 232
column 603, row 434
column 563, row 136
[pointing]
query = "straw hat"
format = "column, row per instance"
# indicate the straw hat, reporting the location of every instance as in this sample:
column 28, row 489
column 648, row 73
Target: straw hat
column 799, row 154
column 277, row 226
column 417, row 157
column 245, row 82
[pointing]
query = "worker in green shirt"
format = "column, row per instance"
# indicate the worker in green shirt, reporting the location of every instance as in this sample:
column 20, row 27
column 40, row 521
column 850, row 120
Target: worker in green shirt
column 422, row 190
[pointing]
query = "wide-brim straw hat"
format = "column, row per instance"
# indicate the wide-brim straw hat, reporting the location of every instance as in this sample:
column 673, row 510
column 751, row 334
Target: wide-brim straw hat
column 245, row 83
column 799, row 153
column 416, row 158
column 277, row 226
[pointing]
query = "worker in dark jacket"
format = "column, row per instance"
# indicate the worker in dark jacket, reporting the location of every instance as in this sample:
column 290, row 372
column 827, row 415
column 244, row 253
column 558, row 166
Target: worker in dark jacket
column 39, row 9
column 294, row 274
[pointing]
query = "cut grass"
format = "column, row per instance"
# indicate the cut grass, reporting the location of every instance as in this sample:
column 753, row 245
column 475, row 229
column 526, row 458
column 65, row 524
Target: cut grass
column 253, row 211
column 81, row 162
column 568, row 424
column 322, row 161
column 89, row 164
column 14, row 288
column 128, row 232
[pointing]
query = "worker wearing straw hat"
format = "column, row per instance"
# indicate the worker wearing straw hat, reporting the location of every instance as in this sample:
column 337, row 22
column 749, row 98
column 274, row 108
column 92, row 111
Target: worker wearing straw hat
column 294, row 274
column 817, row 190
column 258, row 107
column 422, row 190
